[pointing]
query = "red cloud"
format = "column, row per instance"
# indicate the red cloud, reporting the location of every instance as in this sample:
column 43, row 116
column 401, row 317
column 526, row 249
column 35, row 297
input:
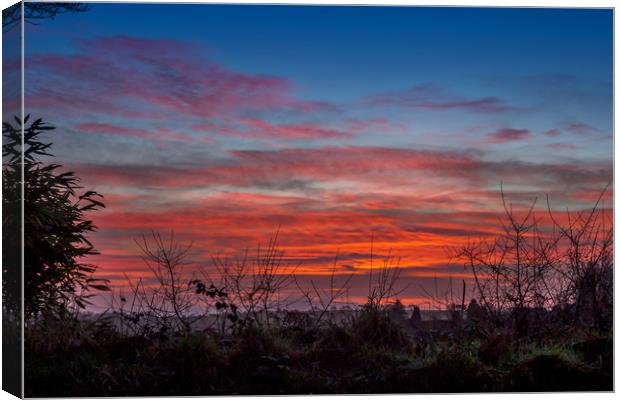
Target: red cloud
column 130, row 76
column 230, row 222
column 307, row 131
column 294, row 168
column 362, row 169
column 508, row 135
column 359, row 162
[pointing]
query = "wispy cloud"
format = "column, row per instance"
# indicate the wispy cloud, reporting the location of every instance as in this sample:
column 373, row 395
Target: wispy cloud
column 150, row 77
column 257, row 128
column 580, row 128
column 432, row 97
column 353, row 169
column 562, row 146
column 157, row 134
column 506, row 135
column 552, row 132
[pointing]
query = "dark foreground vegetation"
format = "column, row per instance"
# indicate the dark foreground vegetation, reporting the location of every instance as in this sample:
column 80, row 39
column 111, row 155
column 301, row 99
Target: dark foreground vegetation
column 539, row 319
column 371, row 353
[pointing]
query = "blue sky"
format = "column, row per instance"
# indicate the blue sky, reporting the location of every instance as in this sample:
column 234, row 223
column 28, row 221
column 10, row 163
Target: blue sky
column 343, row 54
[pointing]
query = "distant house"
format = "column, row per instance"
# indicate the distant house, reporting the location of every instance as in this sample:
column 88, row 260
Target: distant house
column 434, row 320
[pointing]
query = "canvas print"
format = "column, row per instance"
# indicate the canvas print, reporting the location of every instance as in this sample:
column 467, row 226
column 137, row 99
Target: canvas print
column 205, row 200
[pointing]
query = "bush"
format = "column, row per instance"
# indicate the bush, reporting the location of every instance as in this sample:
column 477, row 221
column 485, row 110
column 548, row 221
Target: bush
column 375, row 327
column 455, row 370
column 495, row 348
column 551, row 372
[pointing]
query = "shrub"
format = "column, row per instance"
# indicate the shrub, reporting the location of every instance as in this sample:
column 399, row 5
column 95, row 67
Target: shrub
column 55, row 278
column 550, row 372
column 375, row 327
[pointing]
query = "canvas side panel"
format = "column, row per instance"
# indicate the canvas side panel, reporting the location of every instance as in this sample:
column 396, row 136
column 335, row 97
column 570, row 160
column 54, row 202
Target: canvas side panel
column 12, row 204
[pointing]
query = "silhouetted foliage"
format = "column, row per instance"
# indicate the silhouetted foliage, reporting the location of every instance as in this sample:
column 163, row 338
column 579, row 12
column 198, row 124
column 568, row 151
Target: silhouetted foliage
column 34, row 11
column 54, row 226
column 367, row 354
column 585, row 263
column 256, row 285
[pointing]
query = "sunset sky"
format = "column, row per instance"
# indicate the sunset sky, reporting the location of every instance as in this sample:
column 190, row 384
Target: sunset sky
column 335, row 124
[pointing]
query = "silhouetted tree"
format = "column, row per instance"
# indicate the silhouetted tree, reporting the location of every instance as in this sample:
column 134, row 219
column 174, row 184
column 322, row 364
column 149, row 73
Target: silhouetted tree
column 54, row 226
column 523, row 271
column 171, row 299
column 256, row 285
column 586, row 257
column 321, row 301
column 397, row 310
column 36, row 11
column 510, row 272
